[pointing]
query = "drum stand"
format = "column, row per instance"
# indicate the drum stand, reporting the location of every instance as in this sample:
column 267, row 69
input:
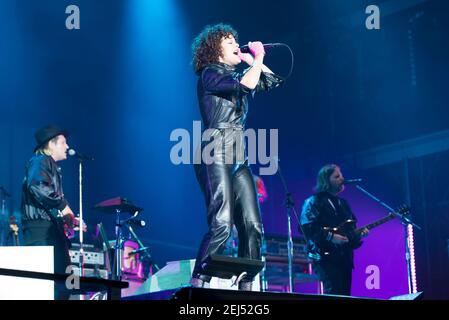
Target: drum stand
column 118, row 249
column 117, row 265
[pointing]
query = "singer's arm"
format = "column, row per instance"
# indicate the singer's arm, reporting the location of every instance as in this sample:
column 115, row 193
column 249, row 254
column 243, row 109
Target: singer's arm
column 249, row 59
column 251, row 78
column 258, row 77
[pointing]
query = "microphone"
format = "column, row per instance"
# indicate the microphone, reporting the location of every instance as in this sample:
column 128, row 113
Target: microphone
column 138, row 250
column 352, row 181
column 245, row 48
column 138, row 222
column 79, row 155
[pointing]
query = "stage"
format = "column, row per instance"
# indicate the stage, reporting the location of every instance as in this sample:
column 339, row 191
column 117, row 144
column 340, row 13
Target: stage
column 206, row 295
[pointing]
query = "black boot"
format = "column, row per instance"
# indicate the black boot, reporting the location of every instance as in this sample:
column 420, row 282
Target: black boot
column 201, row 282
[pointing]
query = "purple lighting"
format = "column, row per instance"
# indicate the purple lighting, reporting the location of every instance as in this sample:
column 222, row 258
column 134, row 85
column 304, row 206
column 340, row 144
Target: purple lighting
column 380, row 265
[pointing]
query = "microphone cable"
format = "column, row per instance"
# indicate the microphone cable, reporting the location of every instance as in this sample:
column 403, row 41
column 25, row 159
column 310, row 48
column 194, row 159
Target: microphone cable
column 291, row 56
column 280, row 44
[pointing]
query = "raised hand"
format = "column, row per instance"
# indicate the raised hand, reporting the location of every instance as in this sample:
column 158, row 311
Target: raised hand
column 256, row 48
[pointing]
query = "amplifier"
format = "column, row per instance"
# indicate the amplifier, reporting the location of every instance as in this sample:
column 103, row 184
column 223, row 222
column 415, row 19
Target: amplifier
column 276, row 262
column 91, row 257
column 89, row 272
column 277, row 246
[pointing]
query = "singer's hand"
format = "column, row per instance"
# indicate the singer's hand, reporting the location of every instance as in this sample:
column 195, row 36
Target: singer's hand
column 256, row 48
column 247, row 57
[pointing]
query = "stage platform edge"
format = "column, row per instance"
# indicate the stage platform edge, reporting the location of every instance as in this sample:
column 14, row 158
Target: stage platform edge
column 189, row 293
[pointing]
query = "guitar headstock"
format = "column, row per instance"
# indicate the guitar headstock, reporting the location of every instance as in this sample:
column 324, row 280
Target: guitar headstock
column 403, row 210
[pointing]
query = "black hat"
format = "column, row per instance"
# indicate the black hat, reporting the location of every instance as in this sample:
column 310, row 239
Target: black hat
column 47, row 133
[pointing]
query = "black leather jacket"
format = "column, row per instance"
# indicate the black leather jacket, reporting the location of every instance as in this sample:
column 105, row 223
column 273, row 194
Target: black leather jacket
column 223, row 101
column 326, row 210
column 42, row 193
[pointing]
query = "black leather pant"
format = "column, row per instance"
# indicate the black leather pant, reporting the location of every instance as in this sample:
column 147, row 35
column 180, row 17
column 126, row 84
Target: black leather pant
column 231, row 198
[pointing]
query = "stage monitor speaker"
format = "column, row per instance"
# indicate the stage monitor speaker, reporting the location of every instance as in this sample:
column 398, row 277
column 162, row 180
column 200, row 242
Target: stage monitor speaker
column 38, row 259
column 411, row 296
column 174, row 275
column 177, row 274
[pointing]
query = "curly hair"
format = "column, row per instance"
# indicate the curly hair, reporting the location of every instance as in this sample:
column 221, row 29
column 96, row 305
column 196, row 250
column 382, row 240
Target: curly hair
column 206, row 47
column 322, row 181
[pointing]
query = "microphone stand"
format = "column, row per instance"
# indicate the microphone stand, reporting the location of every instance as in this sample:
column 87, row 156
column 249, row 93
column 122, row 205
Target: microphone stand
column 81, row 223
column 81, row 220
column 3, row 195
column 290, row 204
column 405, row 221
column 117, row 263
column 119, row 241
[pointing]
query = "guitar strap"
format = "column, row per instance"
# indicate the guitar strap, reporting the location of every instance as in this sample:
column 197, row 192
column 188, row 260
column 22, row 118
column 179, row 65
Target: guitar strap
column 332, row 205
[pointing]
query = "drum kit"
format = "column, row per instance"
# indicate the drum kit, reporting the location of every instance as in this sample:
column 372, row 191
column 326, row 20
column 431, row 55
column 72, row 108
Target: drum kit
column 131, row 259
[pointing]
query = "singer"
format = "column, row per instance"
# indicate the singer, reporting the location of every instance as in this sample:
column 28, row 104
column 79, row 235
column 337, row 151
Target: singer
column 331, row 250
column 227, row 183
column 44, row 208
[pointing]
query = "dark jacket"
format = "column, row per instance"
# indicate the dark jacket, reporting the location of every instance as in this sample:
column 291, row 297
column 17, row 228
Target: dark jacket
column 223, row 99
column 224, row 104
column 42, row 194
column 326, row 210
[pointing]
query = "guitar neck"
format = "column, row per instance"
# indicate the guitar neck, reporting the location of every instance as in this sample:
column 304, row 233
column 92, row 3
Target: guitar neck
column 376, row 223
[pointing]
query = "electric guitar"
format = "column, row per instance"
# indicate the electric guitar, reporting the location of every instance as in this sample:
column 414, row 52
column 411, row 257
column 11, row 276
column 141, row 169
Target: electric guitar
column 347, row 228
column 71, row 228
column 68, row 226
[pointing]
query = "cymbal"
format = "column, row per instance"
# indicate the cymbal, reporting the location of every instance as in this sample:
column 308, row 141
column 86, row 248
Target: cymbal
column 117, row 204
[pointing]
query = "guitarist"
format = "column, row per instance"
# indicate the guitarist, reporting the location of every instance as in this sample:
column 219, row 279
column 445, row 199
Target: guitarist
column 43, row 198
column 330, row 251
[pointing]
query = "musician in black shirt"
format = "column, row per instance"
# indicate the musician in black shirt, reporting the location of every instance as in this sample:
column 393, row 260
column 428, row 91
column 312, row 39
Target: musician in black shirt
column 330, row 250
